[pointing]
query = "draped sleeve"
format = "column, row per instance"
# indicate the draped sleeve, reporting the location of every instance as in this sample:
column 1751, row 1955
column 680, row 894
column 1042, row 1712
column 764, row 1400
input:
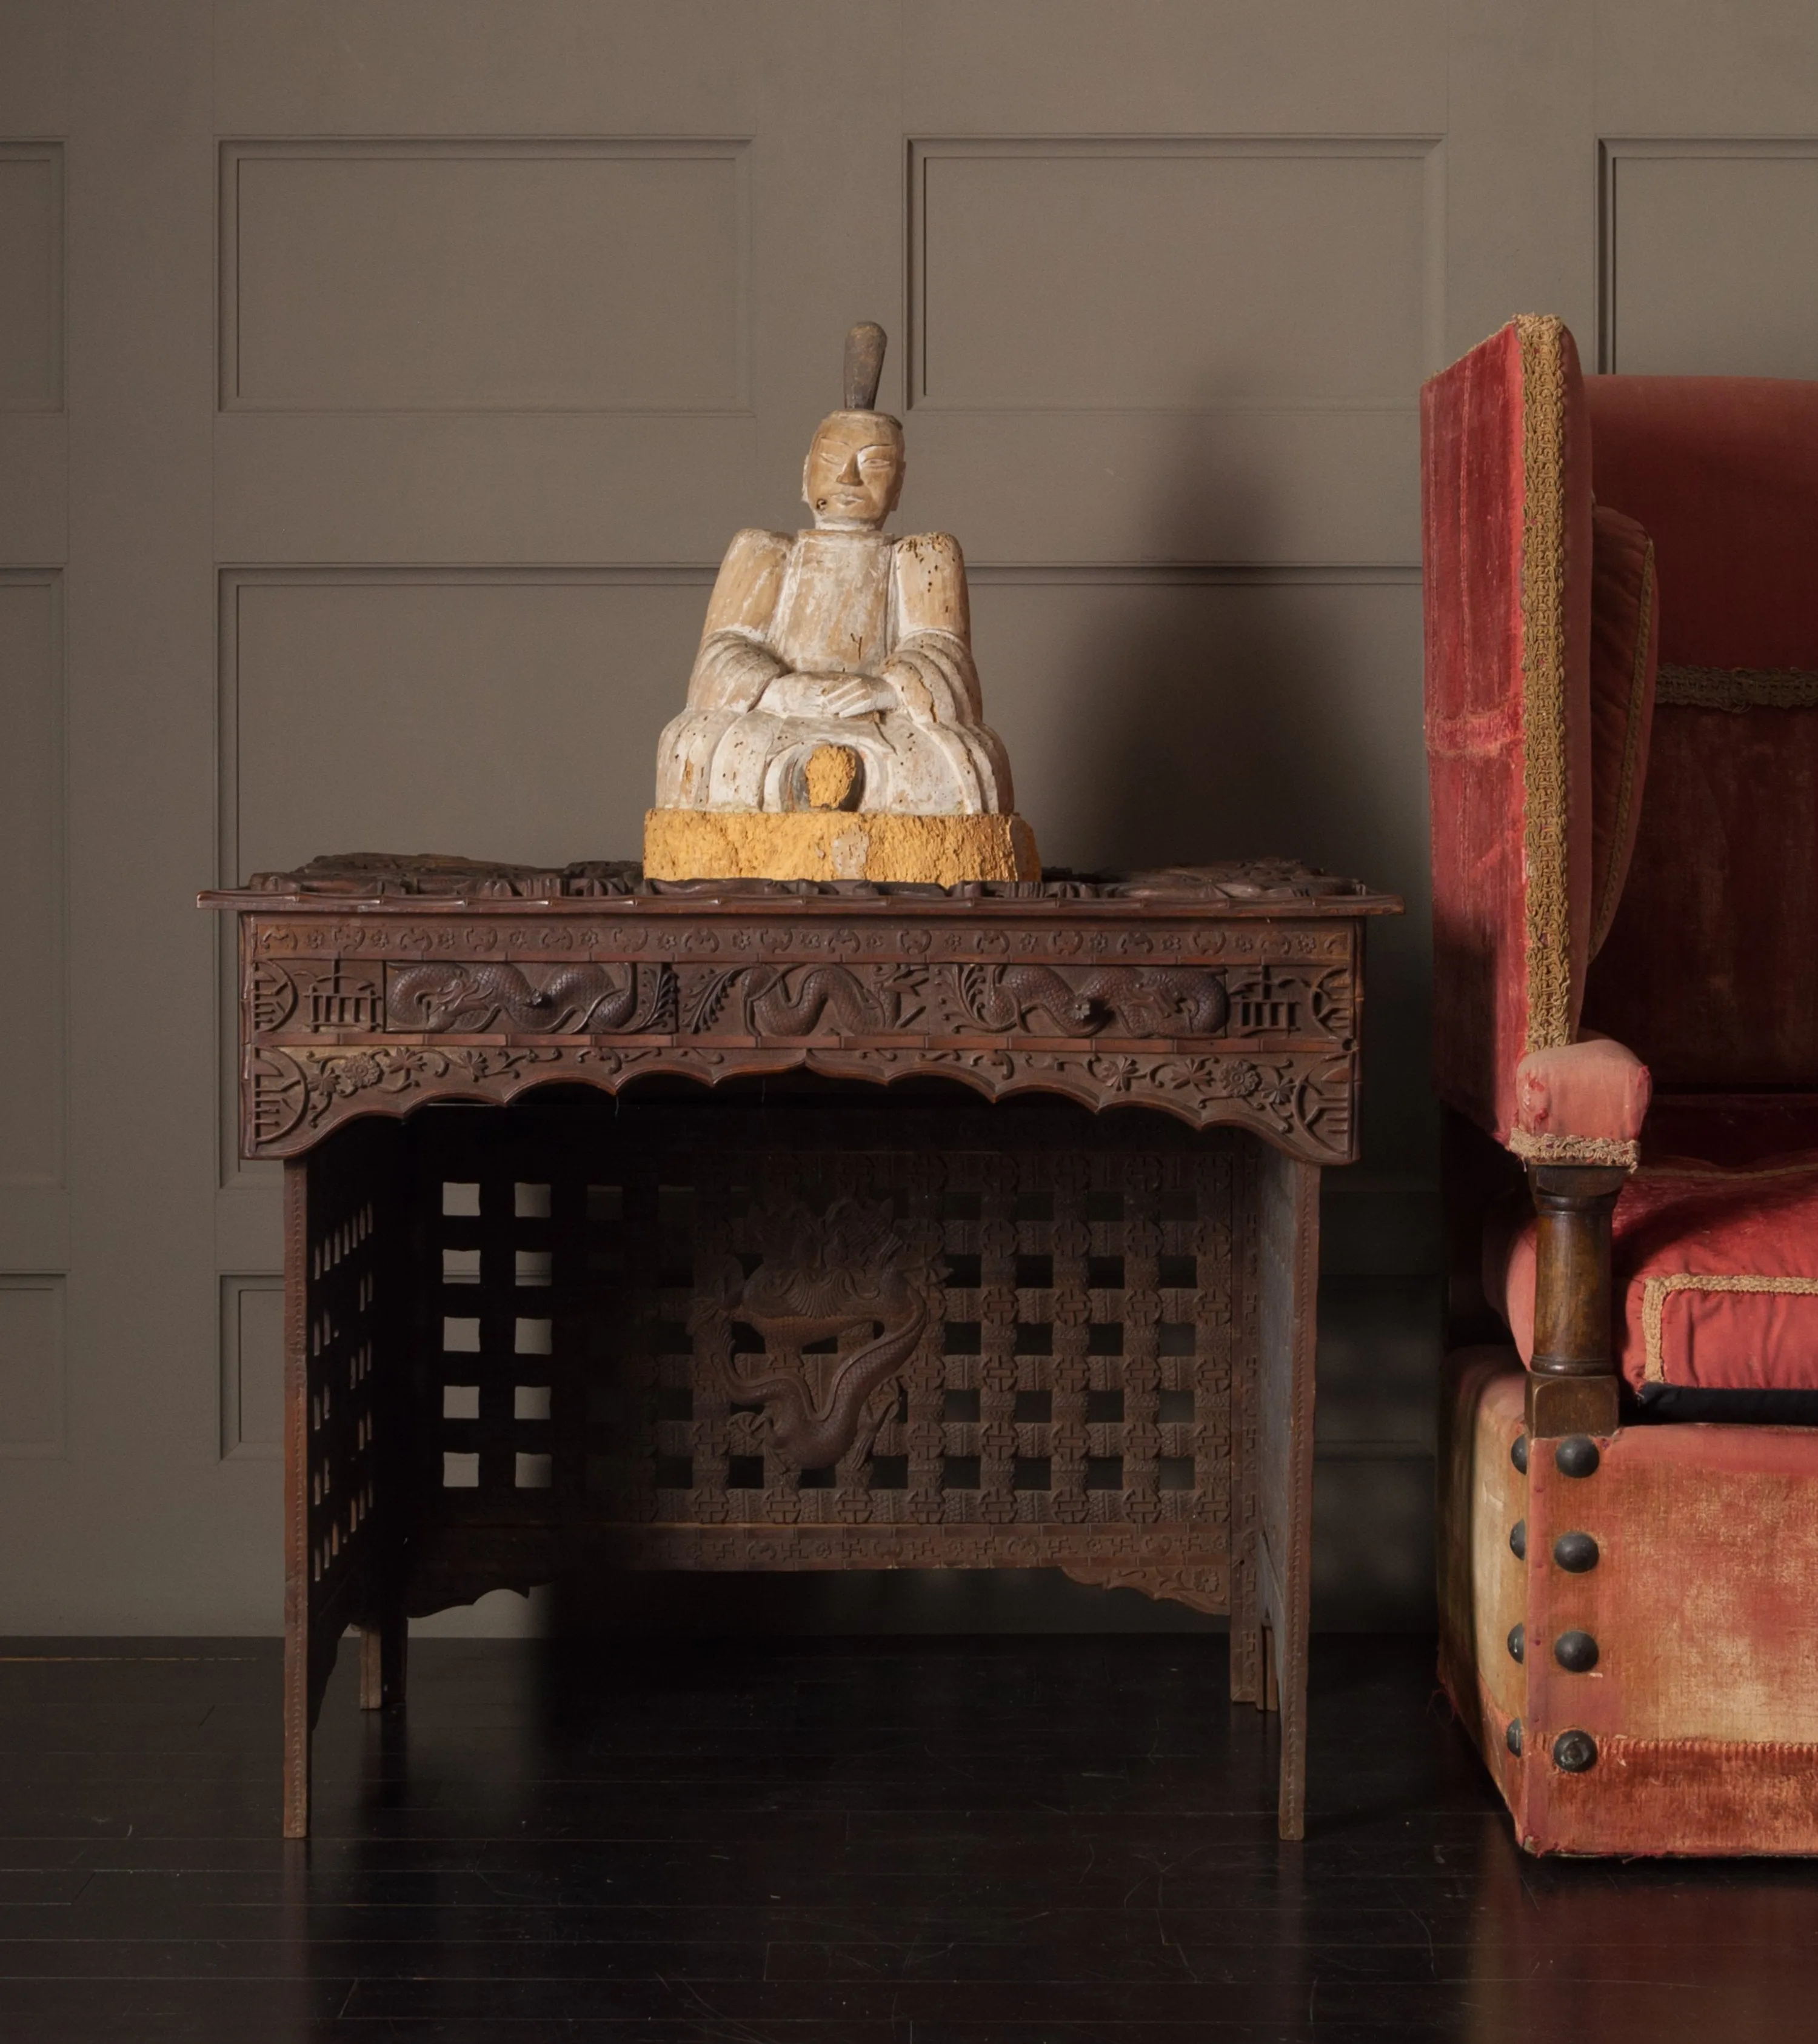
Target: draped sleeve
column 736, row 664
column 931, row 652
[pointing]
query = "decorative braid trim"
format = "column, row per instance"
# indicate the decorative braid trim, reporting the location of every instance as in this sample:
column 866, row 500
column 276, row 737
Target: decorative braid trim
column 1631, row 759
column 1543, row 678
column 1738, row 688
column 1574, row 1149
column 1654, row 1296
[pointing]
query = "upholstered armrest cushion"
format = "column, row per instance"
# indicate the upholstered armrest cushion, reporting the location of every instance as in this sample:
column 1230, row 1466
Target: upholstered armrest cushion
column 1581, row 1103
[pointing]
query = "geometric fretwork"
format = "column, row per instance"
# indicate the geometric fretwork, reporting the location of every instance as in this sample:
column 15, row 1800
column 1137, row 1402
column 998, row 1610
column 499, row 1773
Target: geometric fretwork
column 1070, row 1373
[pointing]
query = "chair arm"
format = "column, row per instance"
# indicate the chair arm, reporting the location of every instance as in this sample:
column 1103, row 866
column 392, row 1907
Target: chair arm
column 1581, row 1103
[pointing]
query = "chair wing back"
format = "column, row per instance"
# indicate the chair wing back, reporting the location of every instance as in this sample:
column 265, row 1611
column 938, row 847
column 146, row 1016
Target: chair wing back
column 1507, row 541
column 1710, row 972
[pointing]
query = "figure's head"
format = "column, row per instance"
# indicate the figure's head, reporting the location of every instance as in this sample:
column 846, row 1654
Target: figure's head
column 854, row 472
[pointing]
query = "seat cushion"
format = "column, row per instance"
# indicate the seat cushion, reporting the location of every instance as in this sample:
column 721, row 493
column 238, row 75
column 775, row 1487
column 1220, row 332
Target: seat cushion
column 1715, row 1268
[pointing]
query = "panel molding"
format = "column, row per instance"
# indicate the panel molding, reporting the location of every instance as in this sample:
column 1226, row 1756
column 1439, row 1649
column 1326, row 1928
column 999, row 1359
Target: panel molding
column 50, row 398
column 236, row 1176
column 1612, row 151
column 237, row 1287
column 54, row 1446
column 1191, row 574
column 53, row 886
column 234, row 152
column 1427, row 150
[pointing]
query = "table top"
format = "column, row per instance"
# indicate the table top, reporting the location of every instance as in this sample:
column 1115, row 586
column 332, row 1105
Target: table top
column 428, row 882
column 1219, row 994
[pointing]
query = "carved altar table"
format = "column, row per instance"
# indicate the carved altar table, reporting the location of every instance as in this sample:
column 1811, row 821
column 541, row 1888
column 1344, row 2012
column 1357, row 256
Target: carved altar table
column 764, row 1321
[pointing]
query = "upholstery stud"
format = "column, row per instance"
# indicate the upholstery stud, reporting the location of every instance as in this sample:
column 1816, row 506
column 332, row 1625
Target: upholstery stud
column 1518, row 1539
column 1512, row 1736
column 1576, row 1652
column 1577, row 1455
column 1517, row 1641
column 1575, row 1552
column 1574, row 1752
column 1518, row 1454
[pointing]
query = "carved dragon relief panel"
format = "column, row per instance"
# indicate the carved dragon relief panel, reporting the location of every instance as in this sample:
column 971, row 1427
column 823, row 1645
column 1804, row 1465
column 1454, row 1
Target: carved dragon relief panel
column 838, row 1302
column 751, row 1001
column 346, row 1014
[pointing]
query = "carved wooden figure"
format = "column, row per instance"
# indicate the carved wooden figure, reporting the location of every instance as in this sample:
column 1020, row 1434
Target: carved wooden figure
column 835, row 728
column 798, row 1326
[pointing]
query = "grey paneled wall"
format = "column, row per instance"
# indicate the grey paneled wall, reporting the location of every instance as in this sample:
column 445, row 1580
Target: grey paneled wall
column 1029, row 257
column 1711, row 248
column 32, row 853
column 484, row 275
column 380, row 381
column 31, row 260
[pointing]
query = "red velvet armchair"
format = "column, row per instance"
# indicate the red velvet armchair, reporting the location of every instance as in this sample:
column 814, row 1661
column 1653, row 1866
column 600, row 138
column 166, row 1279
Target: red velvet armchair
column 1622, row 730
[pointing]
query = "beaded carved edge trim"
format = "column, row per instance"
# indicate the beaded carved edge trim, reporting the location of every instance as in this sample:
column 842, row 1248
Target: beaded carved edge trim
column 1656, row 1291
column 1738, row 687
column 1541, row 339
column 1611, row 1150
column 1632, row 738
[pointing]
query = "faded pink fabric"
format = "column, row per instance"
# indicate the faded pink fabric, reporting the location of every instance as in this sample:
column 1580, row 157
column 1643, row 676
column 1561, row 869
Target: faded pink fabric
column 1595, row 1090
column 1705, row 1226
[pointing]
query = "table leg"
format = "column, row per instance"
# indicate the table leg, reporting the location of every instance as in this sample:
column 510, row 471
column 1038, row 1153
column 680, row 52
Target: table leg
column 296, row 1501
column 1288, row 1221
column 384, row 1644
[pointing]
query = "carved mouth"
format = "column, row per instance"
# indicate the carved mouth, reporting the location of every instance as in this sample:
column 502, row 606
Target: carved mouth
column 797, row 1330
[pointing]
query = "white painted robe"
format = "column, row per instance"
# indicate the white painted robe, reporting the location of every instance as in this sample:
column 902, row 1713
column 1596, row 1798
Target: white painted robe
column 793, row 619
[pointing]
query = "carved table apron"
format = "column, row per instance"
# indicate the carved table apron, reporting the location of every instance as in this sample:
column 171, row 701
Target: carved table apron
column 784, row 1324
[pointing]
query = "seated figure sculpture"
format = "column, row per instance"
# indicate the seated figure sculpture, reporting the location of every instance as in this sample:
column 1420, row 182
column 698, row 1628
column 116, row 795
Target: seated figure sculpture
column 834, row 728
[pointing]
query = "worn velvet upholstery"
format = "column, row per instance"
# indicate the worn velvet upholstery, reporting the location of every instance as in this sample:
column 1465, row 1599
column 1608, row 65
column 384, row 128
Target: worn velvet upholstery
column 1699, row 972
column 1710, row 972
column 1624, row 660
column 1715, row 1273
column 1703, row 1700
column 1507, row 516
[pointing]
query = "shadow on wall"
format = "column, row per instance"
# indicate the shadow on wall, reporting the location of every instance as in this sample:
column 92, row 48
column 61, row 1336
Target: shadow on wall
column 1170, row 714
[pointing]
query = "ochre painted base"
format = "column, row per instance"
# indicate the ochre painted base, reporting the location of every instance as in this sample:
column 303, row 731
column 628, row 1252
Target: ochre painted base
column 823, row 844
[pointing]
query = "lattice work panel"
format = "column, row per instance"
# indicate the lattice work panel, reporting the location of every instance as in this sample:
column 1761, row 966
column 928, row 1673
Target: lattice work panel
column 973, row 1317
column 342, row 1284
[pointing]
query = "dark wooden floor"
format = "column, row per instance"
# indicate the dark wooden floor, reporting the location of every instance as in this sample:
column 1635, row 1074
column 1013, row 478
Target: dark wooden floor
column 1026, row 1841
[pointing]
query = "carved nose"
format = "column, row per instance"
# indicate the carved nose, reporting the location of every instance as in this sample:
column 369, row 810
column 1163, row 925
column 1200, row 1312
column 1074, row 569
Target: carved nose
column 850, row 472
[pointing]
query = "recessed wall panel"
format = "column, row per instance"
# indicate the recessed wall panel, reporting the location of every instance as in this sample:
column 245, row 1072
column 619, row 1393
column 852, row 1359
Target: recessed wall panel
column 510, row 716
column 30, row 1365
column 252, row 1367
column 426, row 276
column 1711, row 258
column 31, row 265
column 32, row 856
column 1190, row 276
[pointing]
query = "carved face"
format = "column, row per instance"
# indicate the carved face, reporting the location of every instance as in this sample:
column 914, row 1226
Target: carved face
column 854, row 473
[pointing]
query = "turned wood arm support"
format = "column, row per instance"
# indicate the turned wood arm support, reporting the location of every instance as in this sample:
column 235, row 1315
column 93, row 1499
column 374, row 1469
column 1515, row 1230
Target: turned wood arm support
column 1571, row 1380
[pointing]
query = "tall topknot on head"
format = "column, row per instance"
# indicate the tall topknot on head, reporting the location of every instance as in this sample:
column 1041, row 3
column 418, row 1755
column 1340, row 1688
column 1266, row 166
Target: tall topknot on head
column 864, row 346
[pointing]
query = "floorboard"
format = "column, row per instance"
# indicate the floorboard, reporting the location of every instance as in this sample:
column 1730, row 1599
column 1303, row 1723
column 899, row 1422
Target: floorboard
column 1022, row 1841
